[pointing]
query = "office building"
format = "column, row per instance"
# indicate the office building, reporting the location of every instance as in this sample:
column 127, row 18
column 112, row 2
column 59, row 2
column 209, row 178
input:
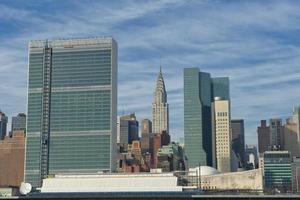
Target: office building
column 12, row 152
column 146, row 127
column 276, row 134
column 18, row 122
column 199, row 92
column 3, row 125
column 72, row 107
column 160, row 107
column 129, row 130
column 238, row 140
column 277, row 171
column 263, row 133
column 220, row 87
column 155, row 144
column 292, row 134
column 135, row 149
column 165, row 138
column 251, row 157
column 296, row 175
column 146, row 132
column 222, row 134
column 170, row 158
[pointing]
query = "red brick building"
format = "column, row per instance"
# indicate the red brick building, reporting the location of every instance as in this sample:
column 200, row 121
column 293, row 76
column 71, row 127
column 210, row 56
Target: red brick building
column 12, row 153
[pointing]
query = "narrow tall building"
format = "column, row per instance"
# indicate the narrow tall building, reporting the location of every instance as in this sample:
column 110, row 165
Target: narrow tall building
column 276, row 134
column 291, row 139
column 222, row 134
column 160, row 107
column 3, row 125
column 238, row 140
column 72, row 107
column 199, row 92
column 146, row 132
column 146, row 127
column 263, row 133
column 129, row 130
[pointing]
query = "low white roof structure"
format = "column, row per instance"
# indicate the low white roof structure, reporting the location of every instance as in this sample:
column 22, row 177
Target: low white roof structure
column 204, row 171
column 111, row 183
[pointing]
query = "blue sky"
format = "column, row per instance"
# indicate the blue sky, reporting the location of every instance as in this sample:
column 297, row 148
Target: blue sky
column 255, row 43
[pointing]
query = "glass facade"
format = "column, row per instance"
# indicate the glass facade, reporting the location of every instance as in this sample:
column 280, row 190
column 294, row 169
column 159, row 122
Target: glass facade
column 197, row 117
column 220, row 87
column 199, row 92
column 18, row 122
column 277, row 171
column 82, row 107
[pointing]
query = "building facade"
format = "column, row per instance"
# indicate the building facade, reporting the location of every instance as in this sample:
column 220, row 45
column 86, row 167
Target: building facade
column 12, row 152
column 238, row 140
column 291, row 138
column 160, row 107
column 146, row 133
column 18, row 122
column 170, row 158
column 3, row 125
column 129, row 130
column 199, row 92
column 277, row 171
column 296, row 175
column 251, row 157
column 263, row 133
column 146, row 127
column 276, row 134
column 222, row 134
column 72, row 107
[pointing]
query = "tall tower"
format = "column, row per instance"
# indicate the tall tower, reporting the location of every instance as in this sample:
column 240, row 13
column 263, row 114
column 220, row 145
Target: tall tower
column 72, row 107
column 222, row 134
column 199, row 92
column 238, row 140
column 3, row 125
column 160, row 107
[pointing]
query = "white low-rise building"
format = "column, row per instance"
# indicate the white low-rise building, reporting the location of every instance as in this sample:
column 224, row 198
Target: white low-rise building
column 165, row 182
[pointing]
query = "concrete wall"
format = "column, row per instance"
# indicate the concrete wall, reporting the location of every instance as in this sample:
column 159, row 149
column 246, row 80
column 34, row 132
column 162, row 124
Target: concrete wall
column 111, row 183
column 246, row 180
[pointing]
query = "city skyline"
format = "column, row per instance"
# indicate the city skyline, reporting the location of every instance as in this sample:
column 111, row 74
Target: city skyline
column 262, row 66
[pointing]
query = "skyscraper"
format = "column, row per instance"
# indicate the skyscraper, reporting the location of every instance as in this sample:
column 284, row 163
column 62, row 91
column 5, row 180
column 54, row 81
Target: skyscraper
column 72, row 107
column 263, row 133
column 146, row 130
column 238, row 140
column 222, row 134
column 292, row 134
column 160, row 107
column 18, row 122
column 129, row 130
column 276, row 134
column 3, row 125
column 199, row 92
column 146, row 127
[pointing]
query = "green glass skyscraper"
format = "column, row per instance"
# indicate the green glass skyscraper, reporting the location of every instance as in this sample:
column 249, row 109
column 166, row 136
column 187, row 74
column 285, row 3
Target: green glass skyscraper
column 72, row 107
column 199, row 92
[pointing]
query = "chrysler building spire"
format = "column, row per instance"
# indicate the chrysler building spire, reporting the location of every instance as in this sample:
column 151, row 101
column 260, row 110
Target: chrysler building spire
column 160, row 107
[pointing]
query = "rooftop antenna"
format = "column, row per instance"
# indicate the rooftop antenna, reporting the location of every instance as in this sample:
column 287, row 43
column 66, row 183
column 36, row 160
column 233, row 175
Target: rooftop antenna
column 160, row 64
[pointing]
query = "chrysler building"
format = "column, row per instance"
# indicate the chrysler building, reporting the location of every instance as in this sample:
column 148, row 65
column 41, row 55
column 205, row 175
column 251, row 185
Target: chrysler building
column 160, row 107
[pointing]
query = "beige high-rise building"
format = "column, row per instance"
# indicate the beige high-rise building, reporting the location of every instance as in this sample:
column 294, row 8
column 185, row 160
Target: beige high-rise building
column 292, row 134
column 222, row 134
column 160, row 107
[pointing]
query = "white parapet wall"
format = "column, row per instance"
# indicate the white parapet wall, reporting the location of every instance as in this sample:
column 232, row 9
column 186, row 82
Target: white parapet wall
column 245, row 180
column 111, row 183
